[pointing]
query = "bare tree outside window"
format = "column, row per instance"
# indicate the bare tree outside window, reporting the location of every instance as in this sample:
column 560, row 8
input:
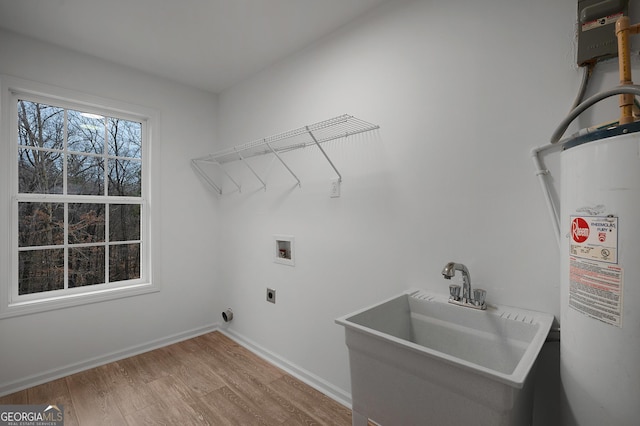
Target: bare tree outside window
column 40, row 139
column 73, row 166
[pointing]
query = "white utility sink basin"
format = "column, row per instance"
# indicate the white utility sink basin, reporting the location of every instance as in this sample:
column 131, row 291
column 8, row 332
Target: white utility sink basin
column 417, row 359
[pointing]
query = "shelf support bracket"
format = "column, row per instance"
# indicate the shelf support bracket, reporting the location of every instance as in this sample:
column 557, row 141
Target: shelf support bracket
column 206, row 177
column 282, row 161
column 324, row 153
column 264, row 185
column 229, row 176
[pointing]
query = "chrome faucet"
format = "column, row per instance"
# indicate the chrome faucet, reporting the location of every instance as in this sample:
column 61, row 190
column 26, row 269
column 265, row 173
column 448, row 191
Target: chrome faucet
column 449, row 271
column 475, row 301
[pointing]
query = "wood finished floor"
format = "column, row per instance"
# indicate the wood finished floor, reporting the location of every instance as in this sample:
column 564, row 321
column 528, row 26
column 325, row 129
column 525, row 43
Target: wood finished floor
column 207, row 380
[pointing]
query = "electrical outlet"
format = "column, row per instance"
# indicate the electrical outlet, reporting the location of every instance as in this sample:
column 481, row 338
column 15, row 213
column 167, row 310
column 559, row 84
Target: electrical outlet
column 271, row 295
column 334, row 191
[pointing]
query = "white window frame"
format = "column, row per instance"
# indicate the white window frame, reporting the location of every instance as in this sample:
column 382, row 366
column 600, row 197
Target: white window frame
column 13, row 304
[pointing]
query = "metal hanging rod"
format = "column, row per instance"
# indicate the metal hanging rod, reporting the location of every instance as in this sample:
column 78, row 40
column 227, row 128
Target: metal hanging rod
column 313, row 134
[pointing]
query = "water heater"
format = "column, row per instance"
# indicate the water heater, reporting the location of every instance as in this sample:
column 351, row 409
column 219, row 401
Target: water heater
column 600, row 282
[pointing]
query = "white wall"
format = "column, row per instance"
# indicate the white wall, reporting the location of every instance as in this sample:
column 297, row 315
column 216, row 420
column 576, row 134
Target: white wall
column 42, row 345
column 462, row 91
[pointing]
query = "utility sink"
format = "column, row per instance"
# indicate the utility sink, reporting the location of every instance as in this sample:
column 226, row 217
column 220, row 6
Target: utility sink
column 417, row 359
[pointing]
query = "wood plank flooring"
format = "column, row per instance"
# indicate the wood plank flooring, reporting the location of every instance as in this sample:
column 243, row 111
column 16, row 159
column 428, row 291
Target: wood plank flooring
column 207, row 380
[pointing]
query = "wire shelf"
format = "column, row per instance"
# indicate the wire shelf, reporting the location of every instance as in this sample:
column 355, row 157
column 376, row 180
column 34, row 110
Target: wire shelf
column 313, row 134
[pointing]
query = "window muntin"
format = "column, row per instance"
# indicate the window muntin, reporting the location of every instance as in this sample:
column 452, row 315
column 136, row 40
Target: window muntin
column 80, row 200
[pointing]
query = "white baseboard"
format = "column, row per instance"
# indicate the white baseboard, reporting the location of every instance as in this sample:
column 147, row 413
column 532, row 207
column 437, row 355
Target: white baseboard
column 56, row 373
column 298, row 372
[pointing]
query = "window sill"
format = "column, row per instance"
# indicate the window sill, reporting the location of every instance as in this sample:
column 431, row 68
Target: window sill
column 67, row 301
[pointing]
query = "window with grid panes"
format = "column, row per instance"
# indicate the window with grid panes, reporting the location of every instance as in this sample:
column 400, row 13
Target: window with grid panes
column 80, row 211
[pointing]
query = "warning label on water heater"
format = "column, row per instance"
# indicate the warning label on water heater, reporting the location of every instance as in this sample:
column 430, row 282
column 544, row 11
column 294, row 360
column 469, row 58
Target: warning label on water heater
column 596, row 290
column 595, row 277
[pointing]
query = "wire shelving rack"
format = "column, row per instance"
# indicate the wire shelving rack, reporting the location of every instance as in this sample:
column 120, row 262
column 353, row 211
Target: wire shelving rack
column 302, row 137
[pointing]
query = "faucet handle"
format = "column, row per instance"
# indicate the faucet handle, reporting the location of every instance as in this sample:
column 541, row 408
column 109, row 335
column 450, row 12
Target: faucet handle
column 454, row 291
column 479, row 296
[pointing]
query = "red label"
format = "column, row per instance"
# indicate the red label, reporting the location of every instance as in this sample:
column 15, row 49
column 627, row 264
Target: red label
column 579, row 230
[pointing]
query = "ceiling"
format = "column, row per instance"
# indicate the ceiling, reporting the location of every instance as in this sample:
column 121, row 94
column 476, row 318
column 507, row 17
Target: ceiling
column 208, row 44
